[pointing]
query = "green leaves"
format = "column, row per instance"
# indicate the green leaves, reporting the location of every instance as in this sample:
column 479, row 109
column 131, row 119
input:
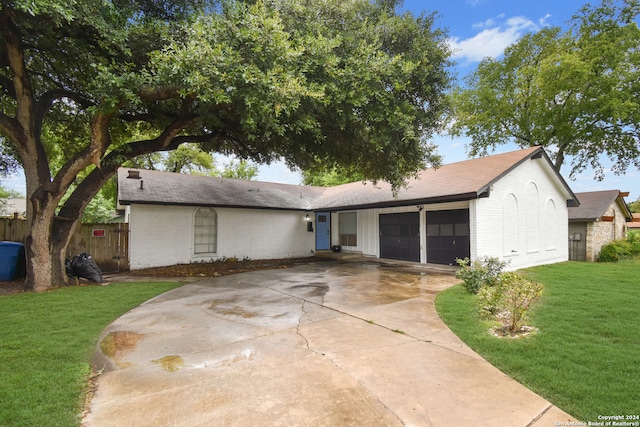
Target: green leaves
column 330, row 82
column 325, row 82
column 575, row 93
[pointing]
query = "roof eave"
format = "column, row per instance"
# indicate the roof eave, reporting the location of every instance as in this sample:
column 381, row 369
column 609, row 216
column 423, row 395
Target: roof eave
column 583, row 219
column 401, row 203
column 214, row 205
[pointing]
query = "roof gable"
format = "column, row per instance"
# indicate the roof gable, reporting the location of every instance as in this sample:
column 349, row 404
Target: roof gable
column 594, row 204
column 465, row 180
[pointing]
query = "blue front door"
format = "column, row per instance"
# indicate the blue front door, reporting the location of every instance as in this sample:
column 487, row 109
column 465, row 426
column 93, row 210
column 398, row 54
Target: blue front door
column 323, row 231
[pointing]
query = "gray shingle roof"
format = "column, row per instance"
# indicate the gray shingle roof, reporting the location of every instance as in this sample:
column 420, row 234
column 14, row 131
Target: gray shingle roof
column 593, row 205
column 464, row 180
column 154, row 187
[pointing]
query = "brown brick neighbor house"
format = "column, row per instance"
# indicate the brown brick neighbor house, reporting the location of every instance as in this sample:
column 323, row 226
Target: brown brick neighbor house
column 600, row 218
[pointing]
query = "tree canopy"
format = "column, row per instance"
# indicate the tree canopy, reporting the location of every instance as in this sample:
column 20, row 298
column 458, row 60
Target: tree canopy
column 93, row 84
column 331, row 176
column 576, row 93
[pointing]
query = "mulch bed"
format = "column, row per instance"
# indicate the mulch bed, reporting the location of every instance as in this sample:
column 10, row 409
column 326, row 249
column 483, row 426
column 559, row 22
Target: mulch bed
column 204, row 269
column 220, row 268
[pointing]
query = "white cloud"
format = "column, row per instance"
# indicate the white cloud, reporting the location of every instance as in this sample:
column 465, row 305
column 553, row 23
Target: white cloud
column 542, row 22
column 491, row 22
column 493, row 39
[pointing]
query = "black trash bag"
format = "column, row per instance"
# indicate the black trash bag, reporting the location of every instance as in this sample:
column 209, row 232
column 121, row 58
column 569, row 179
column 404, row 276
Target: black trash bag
column 68, row 268
column 84, row 266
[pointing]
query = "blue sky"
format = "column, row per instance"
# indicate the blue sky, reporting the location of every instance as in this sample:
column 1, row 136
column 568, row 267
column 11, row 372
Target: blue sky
column 478, row 28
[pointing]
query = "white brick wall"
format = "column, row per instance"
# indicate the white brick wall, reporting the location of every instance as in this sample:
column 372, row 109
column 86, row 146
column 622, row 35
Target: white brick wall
column 163, row 235
column 513, row 231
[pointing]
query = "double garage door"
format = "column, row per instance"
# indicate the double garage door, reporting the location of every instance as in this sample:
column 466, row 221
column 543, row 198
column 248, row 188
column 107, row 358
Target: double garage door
column 447, row 236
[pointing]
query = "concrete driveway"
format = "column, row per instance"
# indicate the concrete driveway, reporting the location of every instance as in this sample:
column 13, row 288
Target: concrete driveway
column 322, row 344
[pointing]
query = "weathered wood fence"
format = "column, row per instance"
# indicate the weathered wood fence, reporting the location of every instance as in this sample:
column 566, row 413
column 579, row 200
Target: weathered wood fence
column 108, row 244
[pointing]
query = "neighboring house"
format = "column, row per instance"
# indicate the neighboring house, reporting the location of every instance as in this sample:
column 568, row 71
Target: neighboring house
column 600, row 218
column 13, row 207
column 634, row 224
column 512, row 206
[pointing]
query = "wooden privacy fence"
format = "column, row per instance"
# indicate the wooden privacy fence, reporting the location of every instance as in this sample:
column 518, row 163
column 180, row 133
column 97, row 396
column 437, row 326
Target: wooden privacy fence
column 108, row 244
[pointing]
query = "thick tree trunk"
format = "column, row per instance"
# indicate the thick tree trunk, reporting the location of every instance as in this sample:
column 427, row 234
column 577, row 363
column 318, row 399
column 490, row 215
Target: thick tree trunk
column 45, row 254
column 46, row 241
column 45, row 269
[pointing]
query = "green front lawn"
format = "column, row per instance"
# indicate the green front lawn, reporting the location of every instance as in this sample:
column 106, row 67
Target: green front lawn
column 46, row 345
column 585, row 358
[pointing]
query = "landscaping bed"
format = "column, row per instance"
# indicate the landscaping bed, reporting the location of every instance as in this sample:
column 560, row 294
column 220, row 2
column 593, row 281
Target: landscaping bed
column 202, row 269
column 220, row 268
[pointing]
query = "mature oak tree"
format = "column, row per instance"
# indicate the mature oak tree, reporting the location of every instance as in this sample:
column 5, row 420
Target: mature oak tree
column 576, row 93
column 321, row 81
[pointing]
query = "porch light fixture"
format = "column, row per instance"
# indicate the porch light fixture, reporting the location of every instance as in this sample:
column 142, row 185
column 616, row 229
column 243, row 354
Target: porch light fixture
column 306, row 218
column 420, row 207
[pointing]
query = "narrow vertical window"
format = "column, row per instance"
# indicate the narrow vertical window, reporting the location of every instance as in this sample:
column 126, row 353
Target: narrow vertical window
column 205, row 231
column 348, row 225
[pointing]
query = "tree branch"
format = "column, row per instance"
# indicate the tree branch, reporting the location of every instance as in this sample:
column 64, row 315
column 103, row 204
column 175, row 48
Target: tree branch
column 90, row 186
column 15, row 56
column 149, row 93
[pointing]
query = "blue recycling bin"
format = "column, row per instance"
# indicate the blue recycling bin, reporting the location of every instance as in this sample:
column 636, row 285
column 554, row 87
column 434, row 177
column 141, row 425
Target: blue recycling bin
column 10, row 255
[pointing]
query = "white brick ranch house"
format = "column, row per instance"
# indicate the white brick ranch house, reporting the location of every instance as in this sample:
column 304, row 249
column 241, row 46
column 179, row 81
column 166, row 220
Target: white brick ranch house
column 512, row 206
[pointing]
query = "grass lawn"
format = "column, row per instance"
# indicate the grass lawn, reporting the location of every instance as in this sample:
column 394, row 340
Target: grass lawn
column 46, row 345
column 585, row 358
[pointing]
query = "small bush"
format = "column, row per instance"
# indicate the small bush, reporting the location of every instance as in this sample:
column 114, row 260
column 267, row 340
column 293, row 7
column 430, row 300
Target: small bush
column 488, row 298
column 518, row 296
column 621, row 249
column 509, row 300
column 615, row 251
column 608, row 253
column 633, row 237
column 485, row 271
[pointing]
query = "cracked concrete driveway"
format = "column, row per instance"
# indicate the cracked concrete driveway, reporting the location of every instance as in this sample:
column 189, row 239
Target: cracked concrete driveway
column 323, row 344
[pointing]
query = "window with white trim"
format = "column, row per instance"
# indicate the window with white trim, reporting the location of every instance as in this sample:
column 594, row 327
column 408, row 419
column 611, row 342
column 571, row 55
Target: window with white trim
column 348, row 226
column 205, row 231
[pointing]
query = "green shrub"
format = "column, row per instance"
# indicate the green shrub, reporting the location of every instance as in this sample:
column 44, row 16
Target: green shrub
column 485, row 271
column 615, row 251
column 621, row 249
column 509, row 300
column 518, row 296
column 608, row 253
column 633, row 237
column 488, row 299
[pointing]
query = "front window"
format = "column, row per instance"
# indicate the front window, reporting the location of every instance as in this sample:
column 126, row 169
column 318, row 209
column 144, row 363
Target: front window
column 205, row 233
column 348, row 225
